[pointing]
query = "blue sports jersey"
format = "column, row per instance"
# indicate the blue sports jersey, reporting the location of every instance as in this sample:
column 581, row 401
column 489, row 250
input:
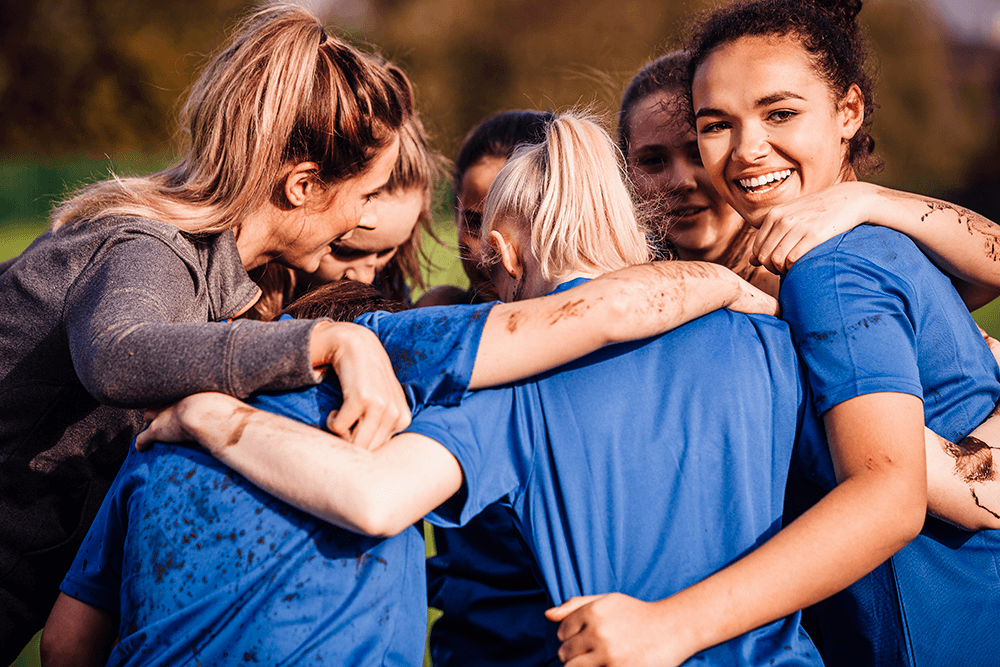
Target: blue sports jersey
column 644, row 467
column 205, row 568
column 870, row 313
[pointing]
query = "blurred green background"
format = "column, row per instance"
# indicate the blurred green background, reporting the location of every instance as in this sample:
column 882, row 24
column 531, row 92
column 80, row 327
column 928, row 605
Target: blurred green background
column 91, row 86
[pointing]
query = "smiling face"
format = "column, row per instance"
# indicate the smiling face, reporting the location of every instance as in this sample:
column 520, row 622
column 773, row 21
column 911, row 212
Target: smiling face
column 304, row 234
column 367, row 251
column 666, row 168
column 769, row 128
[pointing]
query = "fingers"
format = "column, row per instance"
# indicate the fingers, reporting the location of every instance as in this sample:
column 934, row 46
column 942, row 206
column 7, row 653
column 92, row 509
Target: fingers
column 578, row 652
column 558, row 614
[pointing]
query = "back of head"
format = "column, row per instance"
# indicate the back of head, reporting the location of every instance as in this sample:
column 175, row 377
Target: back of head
column 570, row 192
column 829, row 32
column 341, row 301
column 281, row 93
column 667, row 73
column 498, row 136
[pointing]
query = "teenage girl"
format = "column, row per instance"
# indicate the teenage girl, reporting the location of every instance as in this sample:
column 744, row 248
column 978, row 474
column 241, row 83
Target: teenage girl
column 483, row 576
column 126, row 301
column 782, row 106
column 483, row 153
column 694, row 221
column 634, row 469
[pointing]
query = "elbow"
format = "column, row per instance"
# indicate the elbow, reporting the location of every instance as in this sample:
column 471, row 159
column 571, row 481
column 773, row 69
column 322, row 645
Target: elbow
column 376, row 514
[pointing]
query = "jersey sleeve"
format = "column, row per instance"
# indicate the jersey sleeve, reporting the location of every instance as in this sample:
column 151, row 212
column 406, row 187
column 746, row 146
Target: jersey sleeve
column 95, row 577
column 850, row 321
column 486, row 435
column 133, row 341
column 433, row 350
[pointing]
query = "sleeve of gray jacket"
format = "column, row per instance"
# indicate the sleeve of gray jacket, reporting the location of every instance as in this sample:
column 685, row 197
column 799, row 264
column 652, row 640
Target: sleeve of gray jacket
column 134, row 333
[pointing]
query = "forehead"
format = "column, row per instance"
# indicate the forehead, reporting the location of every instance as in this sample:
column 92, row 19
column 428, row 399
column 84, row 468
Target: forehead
column 657, row 120
column 477, row 180
column 751, row 69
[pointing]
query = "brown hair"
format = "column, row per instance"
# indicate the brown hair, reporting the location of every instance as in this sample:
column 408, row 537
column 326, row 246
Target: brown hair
column 666, row 73
column 342, row 301
column 282, row 92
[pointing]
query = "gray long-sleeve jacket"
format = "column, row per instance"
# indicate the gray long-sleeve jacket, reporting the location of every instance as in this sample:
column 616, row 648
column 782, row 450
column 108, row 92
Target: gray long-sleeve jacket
column 98, row 321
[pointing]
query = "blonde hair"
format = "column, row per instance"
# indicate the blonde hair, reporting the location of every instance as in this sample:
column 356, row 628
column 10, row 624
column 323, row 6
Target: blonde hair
column 281, row 93
column 571, row 192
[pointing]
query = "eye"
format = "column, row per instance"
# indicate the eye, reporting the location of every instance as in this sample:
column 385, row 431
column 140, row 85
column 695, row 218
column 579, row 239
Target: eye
column 369, row 198
column 714, row 128
column 781, row 115
column 650, row 163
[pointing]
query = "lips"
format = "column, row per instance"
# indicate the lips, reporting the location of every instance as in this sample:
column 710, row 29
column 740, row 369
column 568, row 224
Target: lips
column 764, row 182
column 686, row 211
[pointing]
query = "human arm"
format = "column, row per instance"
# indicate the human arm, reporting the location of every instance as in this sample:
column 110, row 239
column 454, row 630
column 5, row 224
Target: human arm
column 963, row 483
column 963, row 243
column 527, row 337
column 138, row 336
column 77, row 634
column 876, row 508
column 378, row 492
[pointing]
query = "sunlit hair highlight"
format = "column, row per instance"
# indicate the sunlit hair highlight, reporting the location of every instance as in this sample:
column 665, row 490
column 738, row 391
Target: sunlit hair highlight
column 569, row 193
column 666, row 74
column 281, row 93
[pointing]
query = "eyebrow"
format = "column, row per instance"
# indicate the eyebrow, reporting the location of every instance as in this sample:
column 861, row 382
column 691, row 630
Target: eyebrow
column 765, row 101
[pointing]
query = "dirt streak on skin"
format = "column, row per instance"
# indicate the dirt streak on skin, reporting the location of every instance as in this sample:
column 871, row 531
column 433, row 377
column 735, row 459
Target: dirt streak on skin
column 569, row 309
column 973, row 223
column 513, row 321
column 981, row 506
column 243, row 415
column 973, row 459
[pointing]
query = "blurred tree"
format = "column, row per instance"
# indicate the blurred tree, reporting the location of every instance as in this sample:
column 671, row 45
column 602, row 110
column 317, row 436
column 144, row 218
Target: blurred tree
column 99, row 75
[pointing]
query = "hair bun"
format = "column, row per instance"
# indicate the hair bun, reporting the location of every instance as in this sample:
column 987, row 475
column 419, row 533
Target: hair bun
column 843, row 12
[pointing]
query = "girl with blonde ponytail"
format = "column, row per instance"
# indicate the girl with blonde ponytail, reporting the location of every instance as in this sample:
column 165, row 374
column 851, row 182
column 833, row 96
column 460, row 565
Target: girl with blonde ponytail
column 633, row 469
column 127, row 300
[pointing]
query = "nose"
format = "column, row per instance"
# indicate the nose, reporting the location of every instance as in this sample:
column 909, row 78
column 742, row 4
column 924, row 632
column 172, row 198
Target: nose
column 363, row 271
column 368, row 217
column 680, row 175
column 750, row 144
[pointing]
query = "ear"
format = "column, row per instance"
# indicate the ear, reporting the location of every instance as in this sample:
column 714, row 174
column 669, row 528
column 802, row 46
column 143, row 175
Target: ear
column 510, row 257
column 851, row 112
column 300, row 184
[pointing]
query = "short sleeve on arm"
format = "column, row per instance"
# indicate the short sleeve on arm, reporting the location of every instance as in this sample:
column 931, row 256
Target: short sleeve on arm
column 433, row 350
column 850, row 321
column 95, row 577
column 487, row 436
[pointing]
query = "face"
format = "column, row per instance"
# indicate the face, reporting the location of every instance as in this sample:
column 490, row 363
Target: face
column 305, row 234
column 469, row 217
column 366, row 252
column 666, row 168
column 769, row 129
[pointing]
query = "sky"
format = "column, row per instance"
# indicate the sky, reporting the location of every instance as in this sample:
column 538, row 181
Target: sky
column 978, row 20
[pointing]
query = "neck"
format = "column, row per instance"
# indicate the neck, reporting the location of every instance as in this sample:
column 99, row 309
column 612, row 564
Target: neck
column 252, row 240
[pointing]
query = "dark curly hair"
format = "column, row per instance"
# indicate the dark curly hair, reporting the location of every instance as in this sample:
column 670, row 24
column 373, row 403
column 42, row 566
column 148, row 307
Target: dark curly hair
column 829, row 32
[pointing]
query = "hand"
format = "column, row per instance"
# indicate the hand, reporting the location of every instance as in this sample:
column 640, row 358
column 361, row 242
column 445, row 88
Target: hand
column 614, row 629
column 374, row 405
column 792, row 229
column 753, row 300
column 179, row 422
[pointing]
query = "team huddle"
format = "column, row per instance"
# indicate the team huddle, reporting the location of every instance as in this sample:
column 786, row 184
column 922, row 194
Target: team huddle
column 709, row 398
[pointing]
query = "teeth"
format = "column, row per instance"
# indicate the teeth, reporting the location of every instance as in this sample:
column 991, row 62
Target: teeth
column 757, row 181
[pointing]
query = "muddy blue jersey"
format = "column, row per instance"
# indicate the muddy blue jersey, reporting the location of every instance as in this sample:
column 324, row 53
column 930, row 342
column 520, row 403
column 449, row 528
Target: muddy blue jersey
column 870, row 313
column 205, row 568
column 643, row 467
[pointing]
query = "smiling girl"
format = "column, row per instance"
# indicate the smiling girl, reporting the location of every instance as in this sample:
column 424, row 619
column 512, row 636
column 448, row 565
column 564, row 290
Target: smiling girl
column 782, row 106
